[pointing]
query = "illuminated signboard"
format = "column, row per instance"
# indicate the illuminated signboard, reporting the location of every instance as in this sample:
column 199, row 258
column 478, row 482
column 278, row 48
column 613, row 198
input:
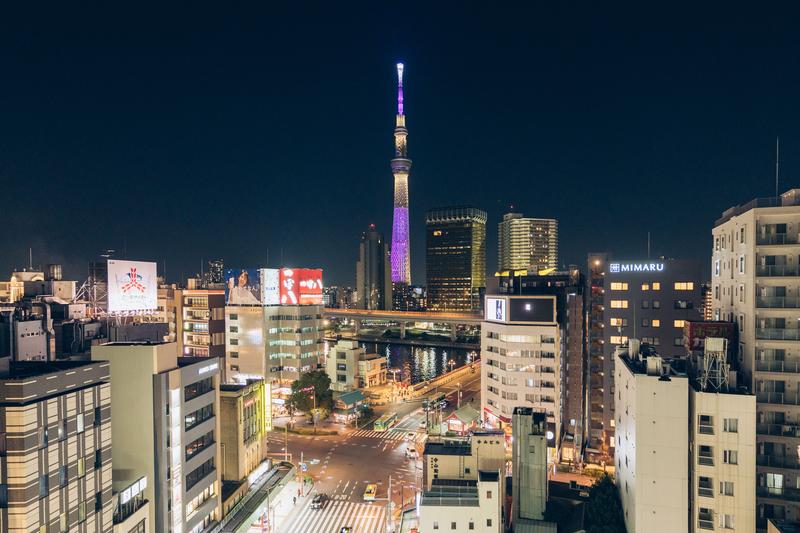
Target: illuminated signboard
column 132, row 286
column 496, row 309
column 617, row 268
column 301, row 286
column 270, row 286
column 242, row 286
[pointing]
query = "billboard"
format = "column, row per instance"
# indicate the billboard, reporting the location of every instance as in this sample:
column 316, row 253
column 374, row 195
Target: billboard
column 695, row 333
column 242, row 286
column 270, row 286
column 132, row 286
column 496, row 309
column 301, row 286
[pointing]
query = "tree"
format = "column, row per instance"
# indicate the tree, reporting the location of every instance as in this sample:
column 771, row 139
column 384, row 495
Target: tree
column 604, row 510
column 310, row 385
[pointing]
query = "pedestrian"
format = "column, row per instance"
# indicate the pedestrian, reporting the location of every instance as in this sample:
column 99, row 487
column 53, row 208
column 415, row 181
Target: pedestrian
column 294, row 500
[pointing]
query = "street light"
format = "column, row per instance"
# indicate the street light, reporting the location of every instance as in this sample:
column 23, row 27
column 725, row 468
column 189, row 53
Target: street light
column 451, row 364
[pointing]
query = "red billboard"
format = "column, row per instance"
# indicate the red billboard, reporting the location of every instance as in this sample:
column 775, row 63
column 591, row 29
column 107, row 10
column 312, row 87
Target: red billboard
column 301, row 286
column 695, row 333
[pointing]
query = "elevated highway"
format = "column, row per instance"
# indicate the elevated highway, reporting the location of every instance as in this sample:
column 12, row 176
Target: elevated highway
column 404, row 318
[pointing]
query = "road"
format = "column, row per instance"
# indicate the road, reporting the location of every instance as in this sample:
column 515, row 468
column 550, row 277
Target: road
column 343, row 465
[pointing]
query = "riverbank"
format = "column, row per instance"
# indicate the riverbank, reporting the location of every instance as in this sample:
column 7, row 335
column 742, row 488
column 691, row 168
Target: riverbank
column 377, row 339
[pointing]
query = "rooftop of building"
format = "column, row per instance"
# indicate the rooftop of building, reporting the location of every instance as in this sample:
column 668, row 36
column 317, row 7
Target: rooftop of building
column 451, row 493
column 466, row 414
column 789, row 198
column 136, row 343
column 26, row 369
column 351, row 398
column 642, row 358
column 455, row 213
column 487, row 475
column 238, row 387
column 448, row 447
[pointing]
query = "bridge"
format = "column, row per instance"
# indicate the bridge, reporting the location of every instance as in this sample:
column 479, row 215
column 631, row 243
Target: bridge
column 403, row 318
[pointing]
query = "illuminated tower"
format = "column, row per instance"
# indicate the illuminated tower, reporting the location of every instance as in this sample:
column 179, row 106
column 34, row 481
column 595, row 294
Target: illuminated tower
column 401, row 165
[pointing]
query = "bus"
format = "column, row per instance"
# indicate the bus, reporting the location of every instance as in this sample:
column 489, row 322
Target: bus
column 385, row 422
column 433, row 402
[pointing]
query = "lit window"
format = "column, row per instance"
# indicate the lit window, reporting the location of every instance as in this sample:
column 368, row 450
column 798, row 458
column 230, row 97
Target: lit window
column 679, row 323
column 656, row 323
column 619, row 304
column 618, row 339
column 645, row 286
column 684, row 286
column 619, row 286
column 656, row 286
column 619, row 322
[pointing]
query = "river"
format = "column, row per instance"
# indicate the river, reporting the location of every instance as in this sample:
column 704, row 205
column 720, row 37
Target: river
column 423, row 362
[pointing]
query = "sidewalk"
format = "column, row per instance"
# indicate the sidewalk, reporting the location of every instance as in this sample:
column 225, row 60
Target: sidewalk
column 283, row 508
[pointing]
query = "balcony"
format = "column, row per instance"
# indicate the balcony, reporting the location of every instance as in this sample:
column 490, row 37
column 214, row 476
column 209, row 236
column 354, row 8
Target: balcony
column 776, row 238
column 778, row 302
column 708, row 492
column 705, row 523
column 778, row 334
column 778, row 430
column 705, row 460
column 772, row 461
column 778, row 366
column 777, row 270
column 778, row 493
column 780, row 398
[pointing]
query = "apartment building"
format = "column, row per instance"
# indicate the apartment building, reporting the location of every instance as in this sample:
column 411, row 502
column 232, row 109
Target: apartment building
column 756, row 284
column 521, row 347
column 166, row 428
column 55, row 447
column 527, row 243
column 350, row 367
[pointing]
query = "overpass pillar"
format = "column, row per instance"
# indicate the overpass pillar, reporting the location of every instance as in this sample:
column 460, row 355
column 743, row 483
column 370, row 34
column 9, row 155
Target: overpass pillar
column 453, row 332
column 402, row 329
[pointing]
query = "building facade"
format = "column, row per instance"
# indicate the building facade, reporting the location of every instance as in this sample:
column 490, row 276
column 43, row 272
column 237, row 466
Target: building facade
column 756, row 284
column 174, row 402
column 526, row 243
column 373, row 272
column 350, row 367
column 645, row 299
column 652, row 471
column 455, row 264
column 200, row 315
column 521, row 361
column 55, row 447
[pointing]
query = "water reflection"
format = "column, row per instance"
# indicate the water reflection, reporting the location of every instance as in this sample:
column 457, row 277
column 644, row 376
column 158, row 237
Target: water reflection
column 423, row 362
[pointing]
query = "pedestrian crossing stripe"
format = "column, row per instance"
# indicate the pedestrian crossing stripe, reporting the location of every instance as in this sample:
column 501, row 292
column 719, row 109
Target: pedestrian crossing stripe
column 382, row 435
column 362, row 517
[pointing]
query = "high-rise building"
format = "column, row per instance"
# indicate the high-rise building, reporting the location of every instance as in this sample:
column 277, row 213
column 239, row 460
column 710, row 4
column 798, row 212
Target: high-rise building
column 166, row 426
column 55, row 447
column 650, row 300
column 569, row 289
column 526, row 243
column 520, row 343
column 200, row 316
column 455, row 264
column 755, row 277
column 373, row 272
column 401, row 166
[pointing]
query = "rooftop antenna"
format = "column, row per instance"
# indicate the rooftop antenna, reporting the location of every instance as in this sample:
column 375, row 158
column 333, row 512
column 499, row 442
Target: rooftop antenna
column 777, row 162
column 399, row 88
column 30, row 259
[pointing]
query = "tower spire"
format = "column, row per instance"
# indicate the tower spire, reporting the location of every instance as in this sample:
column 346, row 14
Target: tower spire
column 401, row 166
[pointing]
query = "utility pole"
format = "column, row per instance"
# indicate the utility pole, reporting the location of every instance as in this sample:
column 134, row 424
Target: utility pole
column 389, row 505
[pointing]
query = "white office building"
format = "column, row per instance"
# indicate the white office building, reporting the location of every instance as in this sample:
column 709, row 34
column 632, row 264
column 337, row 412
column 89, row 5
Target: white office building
column 521, row 347
column 165, row 427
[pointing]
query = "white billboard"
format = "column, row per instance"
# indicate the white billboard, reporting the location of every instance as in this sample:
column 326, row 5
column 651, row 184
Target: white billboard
column 132, row 286
column 495, row 309
column 270, row 286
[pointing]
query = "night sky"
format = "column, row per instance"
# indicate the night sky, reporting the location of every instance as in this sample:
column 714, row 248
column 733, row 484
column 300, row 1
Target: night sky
column 188, row 134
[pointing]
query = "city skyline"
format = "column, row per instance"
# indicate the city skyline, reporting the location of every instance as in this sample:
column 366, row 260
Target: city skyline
column 133, row 137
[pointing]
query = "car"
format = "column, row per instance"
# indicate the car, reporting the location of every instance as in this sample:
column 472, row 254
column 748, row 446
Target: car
column 411, row 452
column 319, row 501
column 369, row 494
column 423, row 424
column 411, row 436
column 346, row 529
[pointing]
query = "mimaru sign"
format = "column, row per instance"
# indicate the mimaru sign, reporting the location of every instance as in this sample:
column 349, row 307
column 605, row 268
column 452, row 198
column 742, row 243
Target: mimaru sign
column 636, row 267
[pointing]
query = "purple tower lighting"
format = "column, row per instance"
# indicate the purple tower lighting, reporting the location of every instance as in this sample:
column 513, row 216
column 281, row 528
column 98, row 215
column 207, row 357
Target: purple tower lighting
column 401, row 166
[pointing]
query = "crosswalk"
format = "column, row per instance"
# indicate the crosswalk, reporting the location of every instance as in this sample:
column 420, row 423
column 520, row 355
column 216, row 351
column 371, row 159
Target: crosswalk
column 382, row 435
column 362, row 517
